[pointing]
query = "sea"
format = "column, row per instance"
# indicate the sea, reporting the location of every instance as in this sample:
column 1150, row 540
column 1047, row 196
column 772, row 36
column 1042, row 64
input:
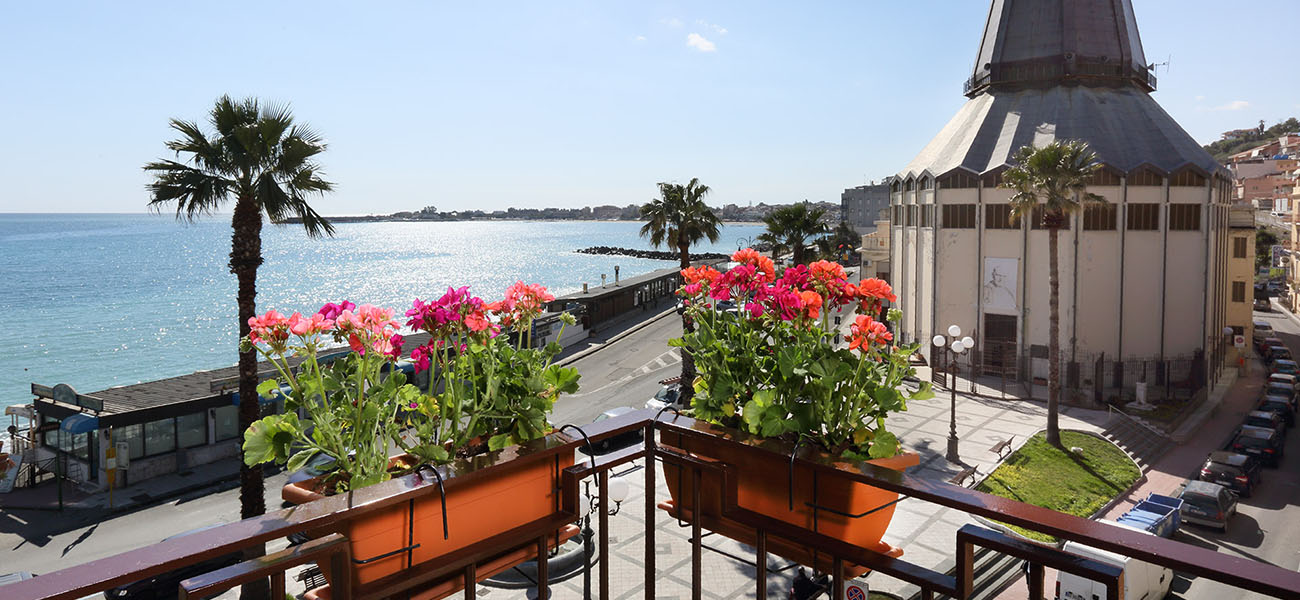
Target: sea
column 102, row 300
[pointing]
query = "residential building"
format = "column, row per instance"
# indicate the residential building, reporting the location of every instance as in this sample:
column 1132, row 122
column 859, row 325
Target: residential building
column 875, row 252
column 1241, row 272
column 861, row 205
column 1143, row 277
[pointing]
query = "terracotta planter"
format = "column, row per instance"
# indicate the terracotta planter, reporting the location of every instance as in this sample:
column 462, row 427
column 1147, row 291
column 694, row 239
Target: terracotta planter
column 518, row 492
column 762, row 475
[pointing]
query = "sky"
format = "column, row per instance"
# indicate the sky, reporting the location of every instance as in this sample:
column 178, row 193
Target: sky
column 472, row 105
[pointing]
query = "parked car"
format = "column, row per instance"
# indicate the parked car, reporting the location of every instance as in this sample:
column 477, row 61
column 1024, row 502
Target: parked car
column 1238, row 471
column 1264, row 444
column 1262, row 304
column 1287, row 379
column 9, row 578
column 1279, row 405
column 1279, row 389
column 1274, row 353
column 617, row 442
column 1282, row 363
column 167, row 584
column 1267, row 419
column 668, row 395
column 1262, row 330
column 1141, row 579
column 1208, row 504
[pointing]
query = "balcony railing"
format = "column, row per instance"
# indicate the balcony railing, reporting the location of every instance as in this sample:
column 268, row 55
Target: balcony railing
column 324, row 518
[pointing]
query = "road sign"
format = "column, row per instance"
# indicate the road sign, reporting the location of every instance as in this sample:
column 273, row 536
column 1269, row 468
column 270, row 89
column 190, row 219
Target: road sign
column 855, row 591
column 1239, row 341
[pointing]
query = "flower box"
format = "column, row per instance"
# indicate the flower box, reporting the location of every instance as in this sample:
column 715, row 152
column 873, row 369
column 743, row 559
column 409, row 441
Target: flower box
column 517, row 492
column 762, row 469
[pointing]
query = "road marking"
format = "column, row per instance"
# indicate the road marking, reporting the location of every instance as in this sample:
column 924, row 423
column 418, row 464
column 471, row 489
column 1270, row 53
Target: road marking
column 658, row 363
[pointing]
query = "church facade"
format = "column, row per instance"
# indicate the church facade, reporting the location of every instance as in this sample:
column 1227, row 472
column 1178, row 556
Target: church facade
column 1143, row 277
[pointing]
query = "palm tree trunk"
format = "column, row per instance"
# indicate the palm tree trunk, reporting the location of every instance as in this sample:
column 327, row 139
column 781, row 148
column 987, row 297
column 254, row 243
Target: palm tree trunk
column 245, row 258
column 687, row 387
column 1053, row 343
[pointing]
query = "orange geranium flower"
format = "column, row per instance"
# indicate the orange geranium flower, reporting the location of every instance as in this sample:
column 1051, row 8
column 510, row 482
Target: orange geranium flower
column 763, row 264
column 812, row 303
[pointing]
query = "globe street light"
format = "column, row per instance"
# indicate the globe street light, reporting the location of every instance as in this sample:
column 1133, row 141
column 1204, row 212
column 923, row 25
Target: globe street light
column 957, row 345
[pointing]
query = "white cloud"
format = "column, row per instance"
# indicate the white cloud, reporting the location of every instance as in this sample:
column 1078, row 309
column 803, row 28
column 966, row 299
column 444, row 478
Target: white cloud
column 1199, row 98
column 698, row 42
column 671, row 22
column 1234, row 105
column 639, row 38
column 718, row 29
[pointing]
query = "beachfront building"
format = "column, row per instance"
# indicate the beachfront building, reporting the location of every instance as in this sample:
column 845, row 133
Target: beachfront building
column 1143, row 283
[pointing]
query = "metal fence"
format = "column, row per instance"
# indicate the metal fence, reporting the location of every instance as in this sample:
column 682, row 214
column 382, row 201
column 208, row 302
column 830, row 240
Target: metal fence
column 1103, row 378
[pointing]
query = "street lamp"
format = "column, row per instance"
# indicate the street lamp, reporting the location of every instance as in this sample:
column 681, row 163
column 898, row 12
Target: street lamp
column 745, row 242
column 956, row 345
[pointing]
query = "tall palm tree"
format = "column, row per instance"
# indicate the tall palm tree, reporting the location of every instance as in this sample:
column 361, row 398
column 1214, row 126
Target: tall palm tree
column 259, row 158
column 790, row 227
column 840, row 241
column 680, row 219
column 1054, row 177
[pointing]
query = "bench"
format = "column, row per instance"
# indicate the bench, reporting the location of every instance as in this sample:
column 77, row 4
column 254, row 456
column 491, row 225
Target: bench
column 961, row 477
column 1002, row 446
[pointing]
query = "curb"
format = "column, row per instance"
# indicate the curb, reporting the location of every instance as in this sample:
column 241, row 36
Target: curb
column 635, row 328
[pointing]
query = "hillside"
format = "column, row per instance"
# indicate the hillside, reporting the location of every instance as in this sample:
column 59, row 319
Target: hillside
column 1222, row 149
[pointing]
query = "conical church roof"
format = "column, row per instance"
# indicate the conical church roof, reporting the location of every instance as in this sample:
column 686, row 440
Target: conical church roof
column 1061, row 69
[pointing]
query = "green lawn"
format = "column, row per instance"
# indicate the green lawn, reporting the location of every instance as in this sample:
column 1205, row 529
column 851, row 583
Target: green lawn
column 1043, row 475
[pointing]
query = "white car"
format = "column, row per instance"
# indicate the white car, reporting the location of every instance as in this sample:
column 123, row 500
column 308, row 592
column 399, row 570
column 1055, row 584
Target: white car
column 667, row 396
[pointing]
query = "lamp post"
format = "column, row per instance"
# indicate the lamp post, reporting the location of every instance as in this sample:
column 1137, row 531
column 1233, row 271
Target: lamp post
column 745, row 242
column 956, row 344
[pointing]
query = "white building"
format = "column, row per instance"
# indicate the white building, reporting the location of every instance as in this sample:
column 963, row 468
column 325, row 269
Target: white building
column 1142, row 278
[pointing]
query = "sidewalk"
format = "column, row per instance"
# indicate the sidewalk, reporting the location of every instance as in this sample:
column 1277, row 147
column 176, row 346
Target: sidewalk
column 1168, row 474
column 222, row 474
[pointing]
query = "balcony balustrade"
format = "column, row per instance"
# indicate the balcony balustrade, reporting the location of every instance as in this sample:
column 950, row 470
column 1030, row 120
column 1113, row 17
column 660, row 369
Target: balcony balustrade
column 325, row 519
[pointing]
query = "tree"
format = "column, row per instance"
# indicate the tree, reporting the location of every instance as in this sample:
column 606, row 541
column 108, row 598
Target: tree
column 1264, row 242
column 790, row 227
column 1054, row 180
column 259, row 158
column 840, row 241
column 679, row 218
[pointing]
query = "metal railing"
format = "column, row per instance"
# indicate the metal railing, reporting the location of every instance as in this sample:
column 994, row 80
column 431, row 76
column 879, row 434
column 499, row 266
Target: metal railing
column 331, row 513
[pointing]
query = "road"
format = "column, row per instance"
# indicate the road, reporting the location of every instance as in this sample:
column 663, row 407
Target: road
column 1267, row 525
column 623, row 373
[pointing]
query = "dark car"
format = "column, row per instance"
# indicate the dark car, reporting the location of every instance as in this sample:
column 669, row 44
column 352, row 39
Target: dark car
column 1268, row 420
column 1283, row 364
column 168, row 584
column 1274, row 388
column 1238, row 471
column 1209, row 504
column 618, row 442
column 1275, row 353
column 1264, row 444
column 1279, row 405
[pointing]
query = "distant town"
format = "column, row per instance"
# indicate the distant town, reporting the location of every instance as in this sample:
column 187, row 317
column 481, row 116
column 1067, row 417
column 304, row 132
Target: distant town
column 608, row 212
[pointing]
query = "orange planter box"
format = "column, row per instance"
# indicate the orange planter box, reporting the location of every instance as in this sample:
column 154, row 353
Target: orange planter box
column 517, row 493
column 763, row 487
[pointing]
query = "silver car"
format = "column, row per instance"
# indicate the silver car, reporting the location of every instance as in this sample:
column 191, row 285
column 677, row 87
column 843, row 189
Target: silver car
column 1208, row 504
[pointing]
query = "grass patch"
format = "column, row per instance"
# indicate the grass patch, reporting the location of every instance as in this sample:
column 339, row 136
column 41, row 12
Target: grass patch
column 1043, row 475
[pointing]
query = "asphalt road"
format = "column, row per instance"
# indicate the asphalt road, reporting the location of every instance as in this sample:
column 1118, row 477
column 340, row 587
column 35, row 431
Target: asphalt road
column 622, row 373
column 1267, row 525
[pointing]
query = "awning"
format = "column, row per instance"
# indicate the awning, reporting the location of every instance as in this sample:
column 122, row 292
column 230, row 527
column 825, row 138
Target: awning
column 80, row 423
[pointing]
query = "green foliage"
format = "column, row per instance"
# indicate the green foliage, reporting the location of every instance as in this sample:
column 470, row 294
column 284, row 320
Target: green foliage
column 1264, row 242
column 1045, row 475
column 773, row 377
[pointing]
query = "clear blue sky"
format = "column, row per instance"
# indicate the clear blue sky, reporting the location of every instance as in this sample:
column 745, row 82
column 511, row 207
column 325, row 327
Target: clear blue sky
column 473, row 105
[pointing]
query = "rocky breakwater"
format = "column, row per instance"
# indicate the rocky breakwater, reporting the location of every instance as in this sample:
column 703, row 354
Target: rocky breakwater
column 649, row 254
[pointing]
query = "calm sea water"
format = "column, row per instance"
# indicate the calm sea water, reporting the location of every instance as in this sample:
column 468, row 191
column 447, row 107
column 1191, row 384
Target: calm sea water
column 102, row 300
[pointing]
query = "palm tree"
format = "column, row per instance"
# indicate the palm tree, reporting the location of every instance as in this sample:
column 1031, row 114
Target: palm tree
column 680, row 218
column 789, row 227
column 843, row 239
column 259, row 158
column 1055, row 178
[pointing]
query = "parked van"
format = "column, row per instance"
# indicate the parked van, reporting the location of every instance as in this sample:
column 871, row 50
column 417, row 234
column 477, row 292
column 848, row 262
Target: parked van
column 1141, row 579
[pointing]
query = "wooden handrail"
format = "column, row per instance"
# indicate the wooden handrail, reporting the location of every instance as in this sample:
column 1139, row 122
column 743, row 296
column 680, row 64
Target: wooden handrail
column 333, row 547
